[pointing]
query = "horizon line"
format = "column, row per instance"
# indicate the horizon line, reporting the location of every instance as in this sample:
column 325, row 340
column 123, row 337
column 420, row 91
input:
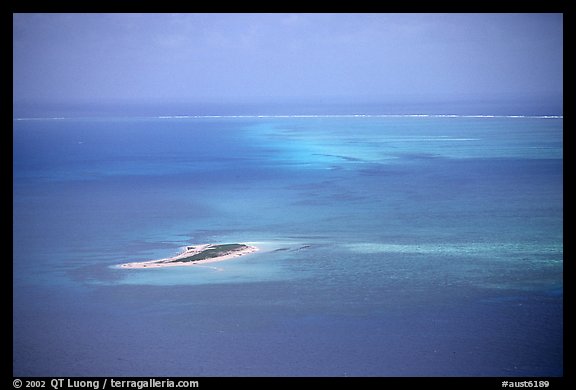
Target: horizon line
column 298, row 116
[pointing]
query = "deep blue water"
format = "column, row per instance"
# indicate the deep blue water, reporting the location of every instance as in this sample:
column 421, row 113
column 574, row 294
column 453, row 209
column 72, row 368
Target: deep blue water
column 391, row 246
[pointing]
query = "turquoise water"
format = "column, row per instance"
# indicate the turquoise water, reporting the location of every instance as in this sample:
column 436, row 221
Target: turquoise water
column 390, row 246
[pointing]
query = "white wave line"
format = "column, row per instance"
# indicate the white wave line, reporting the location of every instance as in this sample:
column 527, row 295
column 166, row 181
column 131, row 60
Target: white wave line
column 317, row 116
column 40, row 119
column 363, row 116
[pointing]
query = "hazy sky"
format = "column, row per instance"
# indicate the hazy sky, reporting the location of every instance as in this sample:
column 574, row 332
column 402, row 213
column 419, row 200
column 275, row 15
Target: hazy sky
column 190, row 57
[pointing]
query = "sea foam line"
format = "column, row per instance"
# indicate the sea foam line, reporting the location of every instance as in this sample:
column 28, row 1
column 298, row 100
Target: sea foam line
column 312, row 116
column 363, row 116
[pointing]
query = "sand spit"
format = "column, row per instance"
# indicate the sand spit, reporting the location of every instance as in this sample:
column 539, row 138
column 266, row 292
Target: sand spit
column 197, row 255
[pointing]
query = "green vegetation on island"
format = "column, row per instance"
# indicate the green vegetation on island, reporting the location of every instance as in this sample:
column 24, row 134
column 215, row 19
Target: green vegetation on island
column 198, row 254
column 210, row 252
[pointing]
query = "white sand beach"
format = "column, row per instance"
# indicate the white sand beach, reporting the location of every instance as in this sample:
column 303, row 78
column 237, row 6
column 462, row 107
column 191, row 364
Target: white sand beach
column 190, row 251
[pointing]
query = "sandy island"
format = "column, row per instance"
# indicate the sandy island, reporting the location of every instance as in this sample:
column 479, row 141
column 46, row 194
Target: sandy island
column 196, row 255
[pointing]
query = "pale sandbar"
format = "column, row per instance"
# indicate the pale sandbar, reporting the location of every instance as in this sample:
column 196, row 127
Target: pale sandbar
column 196, row 255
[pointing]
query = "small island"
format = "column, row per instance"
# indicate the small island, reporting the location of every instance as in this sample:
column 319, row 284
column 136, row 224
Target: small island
column 198, row 254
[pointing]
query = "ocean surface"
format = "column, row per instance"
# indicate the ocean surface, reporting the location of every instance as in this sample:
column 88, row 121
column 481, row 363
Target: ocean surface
column 390, row 245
